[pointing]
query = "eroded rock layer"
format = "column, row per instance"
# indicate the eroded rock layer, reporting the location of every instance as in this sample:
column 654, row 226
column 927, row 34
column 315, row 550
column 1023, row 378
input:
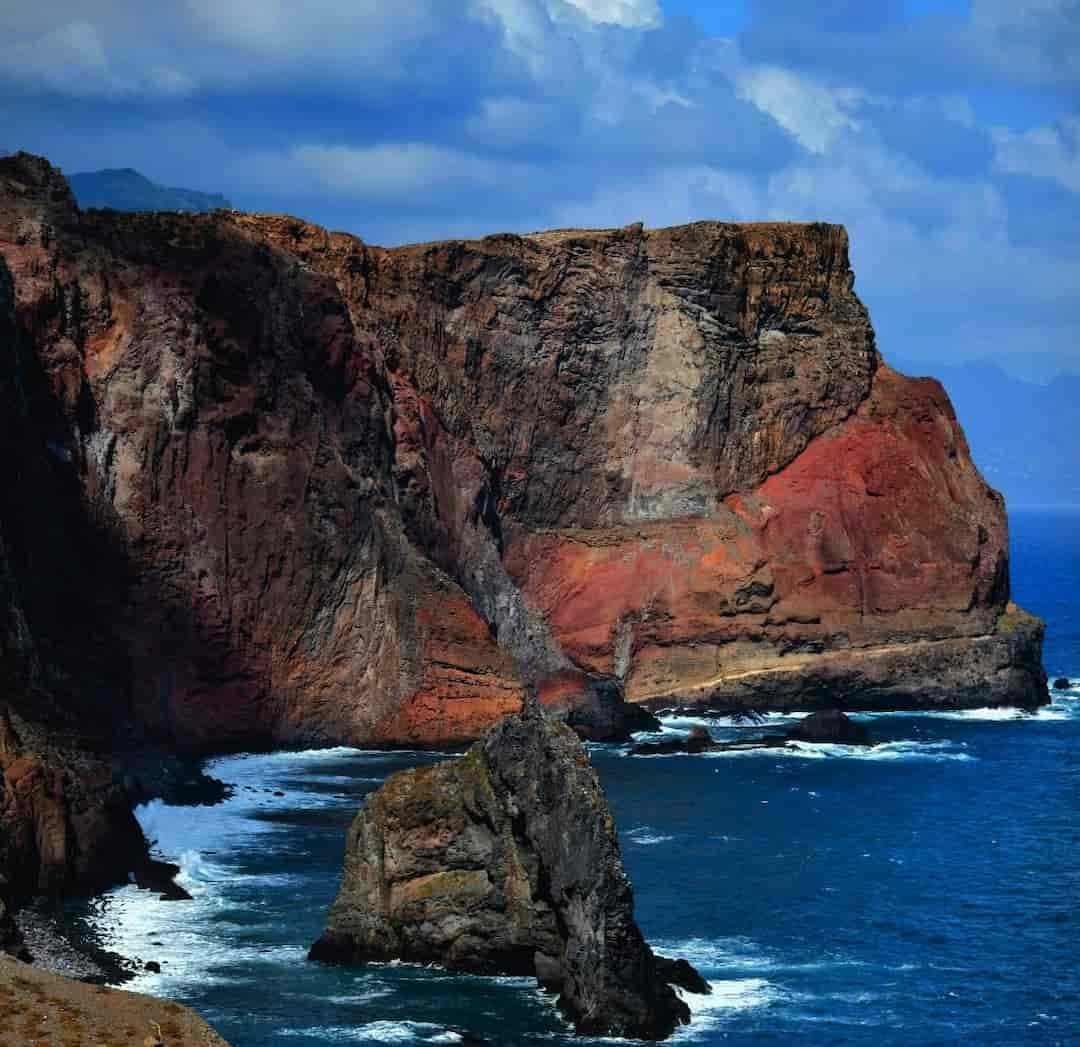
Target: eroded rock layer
column 265, row 484
column 505, row 860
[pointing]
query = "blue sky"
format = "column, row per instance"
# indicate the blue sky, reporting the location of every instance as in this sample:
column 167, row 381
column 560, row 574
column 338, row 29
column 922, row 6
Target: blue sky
column 945, row 134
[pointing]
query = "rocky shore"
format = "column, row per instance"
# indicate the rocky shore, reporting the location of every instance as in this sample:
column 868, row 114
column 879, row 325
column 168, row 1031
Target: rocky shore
column 827, row 726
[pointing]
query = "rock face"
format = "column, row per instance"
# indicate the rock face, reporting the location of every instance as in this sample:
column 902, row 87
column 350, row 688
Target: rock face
column 505, row 860
column 268, row 485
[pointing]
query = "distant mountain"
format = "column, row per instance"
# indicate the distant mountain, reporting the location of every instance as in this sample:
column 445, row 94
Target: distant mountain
column 123, row 189
column 1024, row 437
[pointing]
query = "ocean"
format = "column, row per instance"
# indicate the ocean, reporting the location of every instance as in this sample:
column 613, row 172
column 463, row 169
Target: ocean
column 925, row 892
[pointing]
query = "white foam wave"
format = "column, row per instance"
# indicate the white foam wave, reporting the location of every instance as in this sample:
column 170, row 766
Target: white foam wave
column 647, row 837
column 201, row 840
column 679, row 724
column 1063, row 706
column 717, row 954
column 188, row 945
column 886, row 752
column 379, row 1032
column 359, row 997
column 728, row 999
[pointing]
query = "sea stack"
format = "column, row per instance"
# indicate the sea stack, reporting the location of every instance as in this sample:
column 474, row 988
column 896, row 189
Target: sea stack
column 506, row 860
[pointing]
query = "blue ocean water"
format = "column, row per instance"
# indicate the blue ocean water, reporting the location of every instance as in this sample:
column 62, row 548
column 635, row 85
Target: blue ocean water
column 926, row 892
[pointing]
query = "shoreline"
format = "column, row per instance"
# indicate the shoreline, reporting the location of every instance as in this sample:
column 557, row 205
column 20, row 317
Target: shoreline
column 58, row 932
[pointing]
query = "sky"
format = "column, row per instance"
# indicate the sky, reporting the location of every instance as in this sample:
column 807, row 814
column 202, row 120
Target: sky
column 944, row 134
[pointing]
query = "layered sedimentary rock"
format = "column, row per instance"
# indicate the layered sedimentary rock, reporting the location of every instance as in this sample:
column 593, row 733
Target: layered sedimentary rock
column 673, row 460
column 265, row 484
column 505, row 860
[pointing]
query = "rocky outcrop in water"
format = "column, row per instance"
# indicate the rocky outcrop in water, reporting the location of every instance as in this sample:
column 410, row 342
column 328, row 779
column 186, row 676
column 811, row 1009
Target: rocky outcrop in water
column 826, row 726
column 506, row 860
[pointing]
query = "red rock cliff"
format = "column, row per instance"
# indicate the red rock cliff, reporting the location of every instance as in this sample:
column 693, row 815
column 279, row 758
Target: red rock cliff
column 289, row 488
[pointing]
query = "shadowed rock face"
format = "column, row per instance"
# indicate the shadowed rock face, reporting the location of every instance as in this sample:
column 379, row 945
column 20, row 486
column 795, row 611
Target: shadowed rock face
column 265, row 484
column 505, row 860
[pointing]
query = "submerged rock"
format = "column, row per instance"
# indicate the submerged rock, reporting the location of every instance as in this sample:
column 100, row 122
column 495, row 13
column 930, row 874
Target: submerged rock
column 507, row 861
column 824, row 726
column 830, row 725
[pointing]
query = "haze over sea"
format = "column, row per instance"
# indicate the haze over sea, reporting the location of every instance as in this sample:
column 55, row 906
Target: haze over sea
column 925, row 892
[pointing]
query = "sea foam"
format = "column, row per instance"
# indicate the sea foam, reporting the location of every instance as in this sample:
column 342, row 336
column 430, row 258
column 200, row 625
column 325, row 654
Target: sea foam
column 379, row 1032
column 729, row 998
column 198, row 839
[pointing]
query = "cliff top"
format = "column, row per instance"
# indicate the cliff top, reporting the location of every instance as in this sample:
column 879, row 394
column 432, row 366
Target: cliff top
column 38, row 178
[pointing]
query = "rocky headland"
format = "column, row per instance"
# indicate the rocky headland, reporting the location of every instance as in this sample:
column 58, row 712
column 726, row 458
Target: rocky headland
column 265, row 485
column 506, row 861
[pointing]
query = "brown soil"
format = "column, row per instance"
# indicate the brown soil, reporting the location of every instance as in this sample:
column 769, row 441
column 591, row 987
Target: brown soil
column 39, row 1009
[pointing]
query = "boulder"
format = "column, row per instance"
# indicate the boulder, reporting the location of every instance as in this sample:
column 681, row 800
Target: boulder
column 829, row 725
column 11, row 939
column 507, row 861
column 1062, row 683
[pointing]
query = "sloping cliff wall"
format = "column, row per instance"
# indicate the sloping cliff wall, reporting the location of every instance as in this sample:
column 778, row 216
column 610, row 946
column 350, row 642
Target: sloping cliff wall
column 273, row 485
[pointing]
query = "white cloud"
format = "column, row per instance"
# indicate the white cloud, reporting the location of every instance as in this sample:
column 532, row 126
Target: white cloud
column 71, row 58
column 671, row 196
column 116, row 48
column 1042, row 152
column 814, row 114
column 508, row 121
column 400, row 169
column 630, row 14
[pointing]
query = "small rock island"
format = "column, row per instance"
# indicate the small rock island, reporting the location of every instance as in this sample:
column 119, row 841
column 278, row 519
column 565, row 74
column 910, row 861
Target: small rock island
column 506, row 861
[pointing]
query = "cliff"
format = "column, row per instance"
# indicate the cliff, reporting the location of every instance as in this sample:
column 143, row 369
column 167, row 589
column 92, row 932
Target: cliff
column 269, row 485
column 506, row 861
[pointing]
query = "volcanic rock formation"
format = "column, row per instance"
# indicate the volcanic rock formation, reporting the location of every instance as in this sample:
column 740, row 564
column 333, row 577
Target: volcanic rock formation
column 506, row 860
column 825, row 726
column 268, row 485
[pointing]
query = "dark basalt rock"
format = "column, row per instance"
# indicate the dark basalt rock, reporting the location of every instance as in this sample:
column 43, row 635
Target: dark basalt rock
column 607, row 717
column 1061, row 683
column 154, row 875
column 830, row 725
column 506, row 860
column 11, row 939
column 826, row 725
